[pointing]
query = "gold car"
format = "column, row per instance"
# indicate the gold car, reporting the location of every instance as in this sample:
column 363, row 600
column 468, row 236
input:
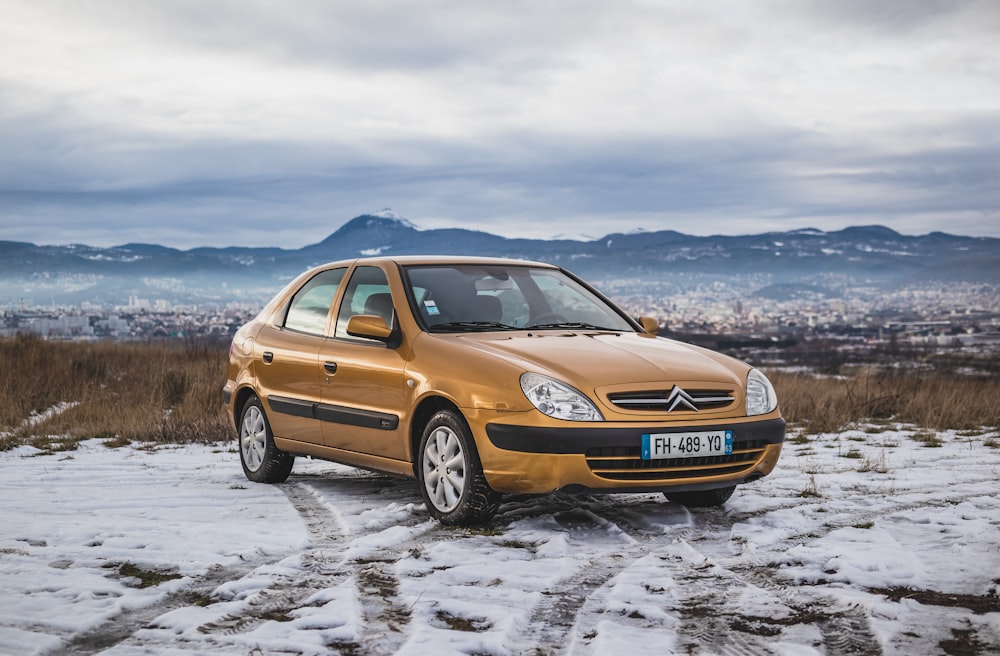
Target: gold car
column 480, row 377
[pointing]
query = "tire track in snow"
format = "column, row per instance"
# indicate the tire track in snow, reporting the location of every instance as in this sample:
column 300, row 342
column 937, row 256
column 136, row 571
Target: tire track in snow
column 287, row 593
column 708, row 603
column 292, row 587
column 121, row 627
column 716, row 596
column 569, row 610
column 565, row 621
column 385, row 618
column 706, row 597
column 718, row 618
column 846, row 630
column 338, row 555
column 561, row 614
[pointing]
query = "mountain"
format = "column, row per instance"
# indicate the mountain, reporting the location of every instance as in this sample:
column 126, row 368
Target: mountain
column 806, row 257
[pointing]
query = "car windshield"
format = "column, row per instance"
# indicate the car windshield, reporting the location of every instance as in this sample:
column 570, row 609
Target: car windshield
column 470, row 298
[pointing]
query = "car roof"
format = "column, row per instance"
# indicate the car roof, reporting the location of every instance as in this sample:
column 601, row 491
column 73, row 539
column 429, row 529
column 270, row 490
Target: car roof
column 411, row 260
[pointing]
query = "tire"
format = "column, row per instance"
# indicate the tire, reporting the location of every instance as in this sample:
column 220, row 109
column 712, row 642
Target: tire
column 451, row 477
column 702, row 498
column 262, row 461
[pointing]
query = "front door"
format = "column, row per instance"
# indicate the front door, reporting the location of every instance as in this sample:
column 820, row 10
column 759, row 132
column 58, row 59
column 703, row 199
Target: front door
column 364, row 389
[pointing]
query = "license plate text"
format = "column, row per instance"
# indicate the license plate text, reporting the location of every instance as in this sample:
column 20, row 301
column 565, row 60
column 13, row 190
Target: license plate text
column 657, row 446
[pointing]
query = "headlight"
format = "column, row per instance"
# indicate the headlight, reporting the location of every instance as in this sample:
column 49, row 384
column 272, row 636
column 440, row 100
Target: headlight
column 761, row 398
column 557, row 399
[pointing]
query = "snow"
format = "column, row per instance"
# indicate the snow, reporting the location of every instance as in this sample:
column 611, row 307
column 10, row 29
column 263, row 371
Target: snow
column 36, row 417
column 340, row 560
column 387, row 213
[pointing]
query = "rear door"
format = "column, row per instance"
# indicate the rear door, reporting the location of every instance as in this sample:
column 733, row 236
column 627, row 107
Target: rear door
column 287, row 363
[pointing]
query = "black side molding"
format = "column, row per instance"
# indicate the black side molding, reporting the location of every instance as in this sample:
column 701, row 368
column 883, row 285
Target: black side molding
column 335, row 414
column 295, row 407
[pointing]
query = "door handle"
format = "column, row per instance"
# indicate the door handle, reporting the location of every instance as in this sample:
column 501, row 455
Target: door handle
column 330, row 367
column 268, row 357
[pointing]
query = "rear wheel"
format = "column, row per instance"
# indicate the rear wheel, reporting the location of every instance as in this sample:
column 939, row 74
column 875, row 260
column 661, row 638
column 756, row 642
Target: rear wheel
column 451, row 477
column 262, row 461
column 702, row 498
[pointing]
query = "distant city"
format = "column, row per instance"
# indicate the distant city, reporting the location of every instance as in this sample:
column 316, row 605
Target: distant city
column 930, row 313
column 139, row 319
column 732, row 309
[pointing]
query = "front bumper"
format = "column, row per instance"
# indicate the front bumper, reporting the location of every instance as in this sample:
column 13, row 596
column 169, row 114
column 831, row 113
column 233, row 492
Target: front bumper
column 542, row 459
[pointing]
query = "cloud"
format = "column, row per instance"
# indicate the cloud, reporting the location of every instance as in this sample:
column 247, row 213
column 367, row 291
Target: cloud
column 275, row 122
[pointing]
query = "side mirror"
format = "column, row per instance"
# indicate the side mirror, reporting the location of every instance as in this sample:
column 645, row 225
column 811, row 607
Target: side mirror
column 650, row 325
column 369, row 326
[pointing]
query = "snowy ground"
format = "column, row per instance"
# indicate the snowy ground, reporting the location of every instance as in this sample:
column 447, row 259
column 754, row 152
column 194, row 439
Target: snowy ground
column 859, row 543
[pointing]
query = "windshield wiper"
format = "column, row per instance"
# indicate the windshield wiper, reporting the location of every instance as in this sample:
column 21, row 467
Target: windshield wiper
column 573, row 325
column 472, row 326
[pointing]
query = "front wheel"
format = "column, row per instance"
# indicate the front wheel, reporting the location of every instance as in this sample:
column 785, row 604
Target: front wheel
column 451, row 477
column 262, row 461
column 702, row 498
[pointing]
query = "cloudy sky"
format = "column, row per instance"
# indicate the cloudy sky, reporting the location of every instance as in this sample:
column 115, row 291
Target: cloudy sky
column 248, row 122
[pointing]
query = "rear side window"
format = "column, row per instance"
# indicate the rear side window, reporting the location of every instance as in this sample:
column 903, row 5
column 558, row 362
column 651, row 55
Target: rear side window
column 310, row 307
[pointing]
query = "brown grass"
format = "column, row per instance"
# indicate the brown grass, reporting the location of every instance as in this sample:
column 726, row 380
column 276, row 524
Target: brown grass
column 932, row 400
column 162, row 392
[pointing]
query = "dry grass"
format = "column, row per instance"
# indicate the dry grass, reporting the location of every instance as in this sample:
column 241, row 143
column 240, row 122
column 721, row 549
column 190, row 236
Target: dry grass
column 163, row 392
column 932, row 400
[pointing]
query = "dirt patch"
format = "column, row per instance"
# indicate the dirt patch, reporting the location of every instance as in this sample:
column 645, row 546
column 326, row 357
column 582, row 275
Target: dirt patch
column 469, row 624
column 979, row 604
column 963, row 642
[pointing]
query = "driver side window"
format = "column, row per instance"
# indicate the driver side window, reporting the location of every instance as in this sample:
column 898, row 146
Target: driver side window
column 366, row 293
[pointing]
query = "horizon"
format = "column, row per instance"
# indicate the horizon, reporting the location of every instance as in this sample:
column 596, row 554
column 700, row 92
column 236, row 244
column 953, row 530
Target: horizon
column 385, row 214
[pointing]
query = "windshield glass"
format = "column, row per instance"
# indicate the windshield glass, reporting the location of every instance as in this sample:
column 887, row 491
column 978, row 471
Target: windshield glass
column 465, row 298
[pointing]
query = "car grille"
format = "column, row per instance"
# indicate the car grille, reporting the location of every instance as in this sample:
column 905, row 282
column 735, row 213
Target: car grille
column 626, row 463
column 666, row 401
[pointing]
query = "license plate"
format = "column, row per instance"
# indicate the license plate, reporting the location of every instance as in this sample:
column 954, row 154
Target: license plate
column 656, row 446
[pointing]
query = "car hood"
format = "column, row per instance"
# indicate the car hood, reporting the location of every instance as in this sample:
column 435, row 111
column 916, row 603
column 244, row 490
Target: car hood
column 589, row 359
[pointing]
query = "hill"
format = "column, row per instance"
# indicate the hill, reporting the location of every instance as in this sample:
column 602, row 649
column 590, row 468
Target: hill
column 877, row 255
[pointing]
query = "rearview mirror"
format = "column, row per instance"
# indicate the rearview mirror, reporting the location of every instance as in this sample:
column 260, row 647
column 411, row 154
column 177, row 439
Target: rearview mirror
column 650, row 325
